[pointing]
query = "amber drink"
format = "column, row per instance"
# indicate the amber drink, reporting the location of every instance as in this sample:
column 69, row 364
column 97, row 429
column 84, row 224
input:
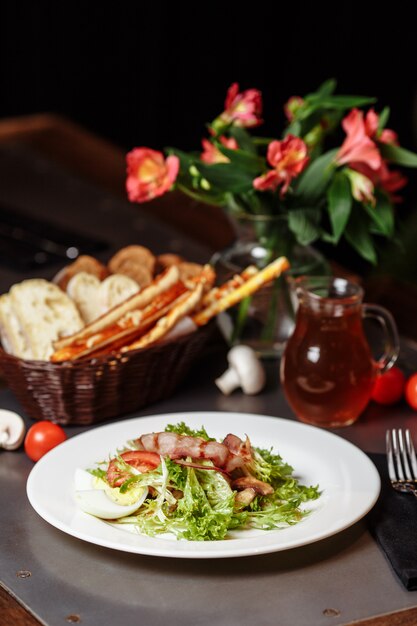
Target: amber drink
column 327, row 369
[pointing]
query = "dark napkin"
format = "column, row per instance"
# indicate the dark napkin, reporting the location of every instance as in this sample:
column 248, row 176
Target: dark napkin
column 393, row 523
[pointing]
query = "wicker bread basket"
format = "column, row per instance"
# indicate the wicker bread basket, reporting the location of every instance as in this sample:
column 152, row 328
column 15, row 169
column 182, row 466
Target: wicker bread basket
column 91, row 390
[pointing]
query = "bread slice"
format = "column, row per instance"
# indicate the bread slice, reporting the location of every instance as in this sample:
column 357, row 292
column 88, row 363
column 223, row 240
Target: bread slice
column 12, row 338
column 41, row 313
column 115, row 289
column 84, row 263
column 83, row 289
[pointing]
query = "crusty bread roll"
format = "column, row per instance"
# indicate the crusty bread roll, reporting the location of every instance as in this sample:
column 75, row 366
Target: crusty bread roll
column 166, row 260
column 133, row 254
column 139, row 273
column 34, row 314
column 137, row 262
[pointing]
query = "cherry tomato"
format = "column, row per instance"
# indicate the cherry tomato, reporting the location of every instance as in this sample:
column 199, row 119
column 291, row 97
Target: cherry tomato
column 411, row 391
column 42, row 437
column 389, row 387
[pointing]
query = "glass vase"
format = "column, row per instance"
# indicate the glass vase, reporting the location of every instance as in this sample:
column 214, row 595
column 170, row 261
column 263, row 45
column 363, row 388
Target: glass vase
column 265, row 320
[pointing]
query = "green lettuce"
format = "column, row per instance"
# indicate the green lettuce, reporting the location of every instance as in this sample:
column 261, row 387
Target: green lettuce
column 182, row 429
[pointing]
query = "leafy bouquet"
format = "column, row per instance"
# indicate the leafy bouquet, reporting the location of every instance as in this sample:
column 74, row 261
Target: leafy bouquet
column 322, row 190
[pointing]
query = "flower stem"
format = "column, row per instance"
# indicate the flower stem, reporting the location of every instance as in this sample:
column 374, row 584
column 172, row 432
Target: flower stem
column 206, row 199
column 269, row 328
column 241, row 318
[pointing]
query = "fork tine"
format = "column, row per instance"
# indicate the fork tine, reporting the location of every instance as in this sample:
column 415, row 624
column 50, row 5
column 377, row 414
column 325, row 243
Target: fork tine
column 390, row 459
column 404, row 455
column 411, row 453
column 396, row 452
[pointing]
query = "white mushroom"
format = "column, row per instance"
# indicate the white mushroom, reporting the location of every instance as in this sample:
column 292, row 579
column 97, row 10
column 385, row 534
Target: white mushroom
column 245, row 370
column 12, row 430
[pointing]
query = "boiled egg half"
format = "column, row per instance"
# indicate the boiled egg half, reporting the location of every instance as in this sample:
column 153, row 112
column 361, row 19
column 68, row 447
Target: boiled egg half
column 94, row 496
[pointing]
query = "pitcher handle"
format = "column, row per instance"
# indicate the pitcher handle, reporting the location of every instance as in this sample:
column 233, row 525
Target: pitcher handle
column 392, row 342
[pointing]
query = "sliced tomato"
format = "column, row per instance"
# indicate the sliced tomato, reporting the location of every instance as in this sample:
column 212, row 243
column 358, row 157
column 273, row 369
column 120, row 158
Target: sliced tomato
column 141, row 460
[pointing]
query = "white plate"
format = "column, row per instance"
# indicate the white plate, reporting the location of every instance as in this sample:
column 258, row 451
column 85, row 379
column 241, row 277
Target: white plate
column 348, row 479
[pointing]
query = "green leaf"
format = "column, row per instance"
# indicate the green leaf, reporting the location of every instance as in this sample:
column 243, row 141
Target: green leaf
column 181, row 428
column 247, row 161
column 339, row 198
column 243, row 138
column 294, row 128
column 383, row 118
column 304, row 223
column 398, row 155
column 226, row 176
column 250, row 201
column 382, row 215
column 326, row 88
column 186, row 159
column 313, row 182
column 344, row 102
column 357, row 234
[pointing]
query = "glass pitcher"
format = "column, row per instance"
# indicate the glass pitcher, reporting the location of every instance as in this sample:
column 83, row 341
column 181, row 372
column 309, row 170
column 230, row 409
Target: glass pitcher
column 327, row 369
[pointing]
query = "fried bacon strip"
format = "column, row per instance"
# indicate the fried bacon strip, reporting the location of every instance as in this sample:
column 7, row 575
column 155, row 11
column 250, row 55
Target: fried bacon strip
column 264, row 276
column 138, row 301
column 250, row 482
column 180, row 446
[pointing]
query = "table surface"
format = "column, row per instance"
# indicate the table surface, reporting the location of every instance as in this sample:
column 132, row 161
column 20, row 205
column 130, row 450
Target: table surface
column 335, row 581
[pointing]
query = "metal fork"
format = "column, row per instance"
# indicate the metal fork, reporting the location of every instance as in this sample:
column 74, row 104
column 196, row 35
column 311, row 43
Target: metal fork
column 402, row 461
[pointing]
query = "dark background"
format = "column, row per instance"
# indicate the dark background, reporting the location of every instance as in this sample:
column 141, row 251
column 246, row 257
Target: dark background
column 152, row 75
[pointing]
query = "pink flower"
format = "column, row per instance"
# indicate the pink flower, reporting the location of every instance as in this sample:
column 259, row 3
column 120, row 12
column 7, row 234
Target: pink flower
column 358, row 147
column 389, row 180
column 388, row 136
column 371, row 127
column 361, row 152
column 288, row 158
column 149, row 174
column 242, row 109
column 362, row 186
column 292, row 106
column 371, row 123
column 211, row 154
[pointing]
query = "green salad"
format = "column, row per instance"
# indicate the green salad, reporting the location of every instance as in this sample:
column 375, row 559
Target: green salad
column 189, row 485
